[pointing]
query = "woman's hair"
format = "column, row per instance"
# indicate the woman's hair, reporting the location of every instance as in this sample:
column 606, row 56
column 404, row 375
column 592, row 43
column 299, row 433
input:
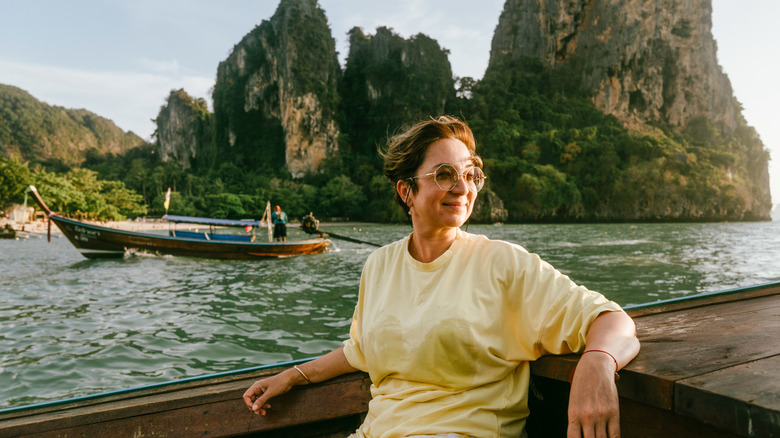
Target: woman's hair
column 406, row 151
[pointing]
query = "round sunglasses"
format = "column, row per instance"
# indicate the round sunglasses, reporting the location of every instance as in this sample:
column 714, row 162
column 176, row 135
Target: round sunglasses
column 446, row 177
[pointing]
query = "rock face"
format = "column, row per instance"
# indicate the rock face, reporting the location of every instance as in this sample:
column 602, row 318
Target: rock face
column 390, row 81
column 278, row 90
column 181, row 126
column 645, row 62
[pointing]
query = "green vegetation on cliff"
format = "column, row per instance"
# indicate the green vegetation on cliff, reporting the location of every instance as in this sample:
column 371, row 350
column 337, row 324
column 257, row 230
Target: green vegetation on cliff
column 559, row 158
column 58, row 137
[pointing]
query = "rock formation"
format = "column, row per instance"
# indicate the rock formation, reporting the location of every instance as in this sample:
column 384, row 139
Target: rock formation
column 390, row 81
column 182, row 126
column 278, row 89
column 645, row 62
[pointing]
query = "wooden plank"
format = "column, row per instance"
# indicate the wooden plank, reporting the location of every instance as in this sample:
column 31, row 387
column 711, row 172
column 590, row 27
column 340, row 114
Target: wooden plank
column 215, row 410
column 681, row 344
column 744, row 399
column 686, row 342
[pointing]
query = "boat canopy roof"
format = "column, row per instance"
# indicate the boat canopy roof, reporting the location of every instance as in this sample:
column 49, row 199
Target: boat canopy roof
column 211, row 221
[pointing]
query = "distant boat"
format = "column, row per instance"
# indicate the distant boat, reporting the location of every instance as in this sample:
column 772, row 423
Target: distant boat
column 94, row 241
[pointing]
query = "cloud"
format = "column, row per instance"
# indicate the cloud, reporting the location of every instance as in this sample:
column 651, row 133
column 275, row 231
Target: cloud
column 171, row 66
column 131, row 100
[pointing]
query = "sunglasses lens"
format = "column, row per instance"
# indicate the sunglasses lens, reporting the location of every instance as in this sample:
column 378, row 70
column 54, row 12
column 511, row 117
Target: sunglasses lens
column 476, row 179
column 446, row 177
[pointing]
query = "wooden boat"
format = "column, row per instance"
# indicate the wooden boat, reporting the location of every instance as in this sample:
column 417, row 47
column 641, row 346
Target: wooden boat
column 94, row 241
column 709, row 367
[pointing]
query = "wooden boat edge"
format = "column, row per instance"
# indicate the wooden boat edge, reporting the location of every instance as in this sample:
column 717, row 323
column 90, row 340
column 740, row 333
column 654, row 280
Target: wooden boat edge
column 212, row 403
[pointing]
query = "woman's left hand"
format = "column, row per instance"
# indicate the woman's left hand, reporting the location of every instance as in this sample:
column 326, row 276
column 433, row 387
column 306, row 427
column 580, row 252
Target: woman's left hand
column 593, row 402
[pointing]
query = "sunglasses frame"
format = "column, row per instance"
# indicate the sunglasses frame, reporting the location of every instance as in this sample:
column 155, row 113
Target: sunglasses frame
column 460, row 175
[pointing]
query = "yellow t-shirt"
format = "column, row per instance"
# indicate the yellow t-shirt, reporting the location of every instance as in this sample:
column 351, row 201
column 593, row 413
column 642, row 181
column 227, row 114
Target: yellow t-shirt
column 447, row 344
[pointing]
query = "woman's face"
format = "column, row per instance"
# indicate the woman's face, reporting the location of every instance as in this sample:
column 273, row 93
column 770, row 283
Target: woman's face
column 433, row 208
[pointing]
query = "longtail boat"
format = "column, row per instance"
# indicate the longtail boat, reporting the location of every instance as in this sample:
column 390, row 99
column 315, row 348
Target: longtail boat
column 708, row 367
column 95, row 241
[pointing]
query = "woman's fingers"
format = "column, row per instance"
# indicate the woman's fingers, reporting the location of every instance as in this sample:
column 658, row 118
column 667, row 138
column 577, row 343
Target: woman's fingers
column 253, row 396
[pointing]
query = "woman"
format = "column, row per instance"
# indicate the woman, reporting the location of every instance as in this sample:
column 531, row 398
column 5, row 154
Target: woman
column 447, row 322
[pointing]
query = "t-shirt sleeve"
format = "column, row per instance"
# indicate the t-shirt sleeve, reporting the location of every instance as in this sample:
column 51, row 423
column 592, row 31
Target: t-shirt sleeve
column 352, row 346
column 554, row 311
column 352, row 350
column 567, row 323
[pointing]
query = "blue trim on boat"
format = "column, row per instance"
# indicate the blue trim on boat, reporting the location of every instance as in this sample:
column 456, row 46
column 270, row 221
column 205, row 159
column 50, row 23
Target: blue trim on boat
column 701, row 295
column 212, row 221
column 210, row 236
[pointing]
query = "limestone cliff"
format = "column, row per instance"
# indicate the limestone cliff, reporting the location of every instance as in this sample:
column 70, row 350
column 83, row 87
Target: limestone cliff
column 645, row 62
column 183, row 126
column 275, row 98
column 389, row 82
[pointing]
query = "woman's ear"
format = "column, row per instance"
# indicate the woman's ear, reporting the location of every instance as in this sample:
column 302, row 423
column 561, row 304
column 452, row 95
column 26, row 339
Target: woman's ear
column 403, row 188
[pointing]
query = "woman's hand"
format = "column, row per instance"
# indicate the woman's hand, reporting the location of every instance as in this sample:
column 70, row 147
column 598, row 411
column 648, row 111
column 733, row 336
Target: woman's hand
column 594, row 410
column 323, row 368
column 593, row 402
column 257, row 396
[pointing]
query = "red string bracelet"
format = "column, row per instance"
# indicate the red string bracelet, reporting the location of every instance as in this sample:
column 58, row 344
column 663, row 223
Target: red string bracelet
column 617, row 376
column 607, row 353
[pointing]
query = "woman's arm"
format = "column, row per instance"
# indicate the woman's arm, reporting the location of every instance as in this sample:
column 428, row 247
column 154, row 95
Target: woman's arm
column 323, row 368
column 593, row 402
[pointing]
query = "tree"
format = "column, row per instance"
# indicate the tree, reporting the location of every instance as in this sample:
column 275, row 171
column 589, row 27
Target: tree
column 14, row 178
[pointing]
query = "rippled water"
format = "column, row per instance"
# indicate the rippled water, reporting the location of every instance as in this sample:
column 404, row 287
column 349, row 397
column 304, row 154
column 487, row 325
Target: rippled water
column 71, row 326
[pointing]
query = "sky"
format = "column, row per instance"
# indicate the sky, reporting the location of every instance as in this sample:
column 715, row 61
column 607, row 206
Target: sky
column 121, row 58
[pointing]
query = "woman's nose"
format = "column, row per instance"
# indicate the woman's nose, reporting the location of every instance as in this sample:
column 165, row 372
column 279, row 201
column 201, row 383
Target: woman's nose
column 461, row 186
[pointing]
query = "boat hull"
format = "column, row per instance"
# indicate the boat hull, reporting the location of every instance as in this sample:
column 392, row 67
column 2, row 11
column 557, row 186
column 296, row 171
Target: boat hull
column 97, row 242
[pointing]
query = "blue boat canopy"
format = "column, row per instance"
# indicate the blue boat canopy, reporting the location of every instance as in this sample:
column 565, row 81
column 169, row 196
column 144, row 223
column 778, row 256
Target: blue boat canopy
column 211, row 221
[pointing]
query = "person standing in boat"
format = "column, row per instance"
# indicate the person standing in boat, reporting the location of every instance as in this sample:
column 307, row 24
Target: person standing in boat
column 447, row 322
column 279, row 218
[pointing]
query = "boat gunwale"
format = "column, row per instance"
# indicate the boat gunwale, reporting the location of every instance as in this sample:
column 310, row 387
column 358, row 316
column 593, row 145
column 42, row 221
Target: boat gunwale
column 141, row 391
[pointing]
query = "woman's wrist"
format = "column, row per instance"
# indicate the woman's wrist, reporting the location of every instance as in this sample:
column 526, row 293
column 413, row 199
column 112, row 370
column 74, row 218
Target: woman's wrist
column 302, row 374
column 617, row 367
column 293, row 377
column 596, row 362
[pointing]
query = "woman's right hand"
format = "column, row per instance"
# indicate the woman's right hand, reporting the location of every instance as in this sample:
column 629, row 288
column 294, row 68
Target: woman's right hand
column 323, row 368
column 257, row 396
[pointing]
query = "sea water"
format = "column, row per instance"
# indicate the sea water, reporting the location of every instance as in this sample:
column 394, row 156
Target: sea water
column 71, row 327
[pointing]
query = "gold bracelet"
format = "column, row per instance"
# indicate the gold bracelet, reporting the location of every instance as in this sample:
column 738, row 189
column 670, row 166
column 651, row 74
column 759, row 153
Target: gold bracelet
column 304, row 375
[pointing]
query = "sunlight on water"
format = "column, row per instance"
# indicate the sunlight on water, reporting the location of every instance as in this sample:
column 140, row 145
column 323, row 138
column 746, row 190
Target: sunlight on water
column 71, row 326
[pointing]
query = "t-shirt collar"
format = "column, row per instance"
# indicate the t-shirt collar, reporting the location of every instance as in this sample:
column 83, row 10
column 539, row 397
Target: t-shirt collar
column 440, row 261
